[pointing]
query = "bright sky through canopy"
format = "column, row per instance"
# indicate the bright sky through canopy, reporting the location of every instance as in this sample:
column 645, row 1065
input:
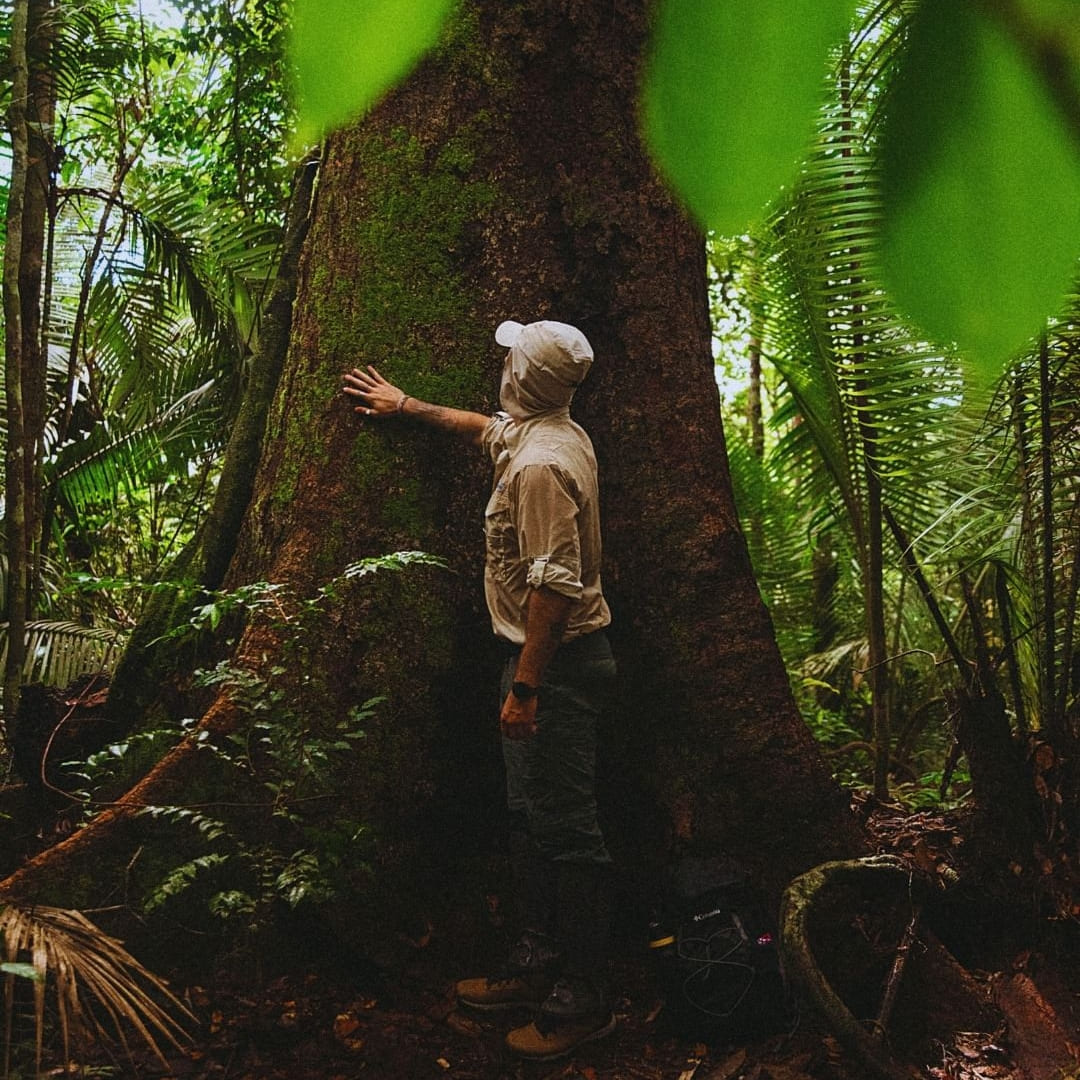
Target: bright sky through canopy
column 160, row 12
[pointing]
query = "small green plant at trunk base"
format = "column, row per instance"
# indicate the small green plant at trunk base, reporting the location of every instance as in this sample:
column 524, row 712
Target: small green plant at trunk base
column 271, row 840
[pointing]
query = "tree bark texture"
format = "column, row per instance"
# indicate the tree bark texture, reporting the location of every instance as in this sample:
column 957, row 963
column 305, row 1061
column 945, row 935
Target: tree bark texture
column 42, row 165
column 30, row 121
column 505, row 179
column 16, row 448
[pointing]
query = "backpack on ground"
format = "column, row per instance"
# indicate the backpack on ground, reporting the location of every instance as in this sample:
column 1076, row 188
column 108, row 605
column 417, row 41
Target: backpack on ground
column 717, row 960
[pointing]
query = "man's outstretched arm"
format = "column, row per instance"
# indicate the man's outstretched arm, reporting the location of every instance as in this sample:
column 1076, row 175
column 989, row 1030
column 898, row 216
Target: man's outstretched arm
column 381, row 399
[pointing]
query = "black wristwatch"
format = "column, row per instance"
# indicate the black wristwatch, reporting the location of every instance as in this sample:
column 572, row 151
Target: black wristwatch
column 523, row 691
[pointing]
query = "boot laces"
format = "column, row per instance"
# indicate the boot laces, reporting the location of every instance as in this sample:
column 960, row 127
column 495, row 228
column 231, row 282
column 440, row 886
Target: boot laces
column 565, row 1006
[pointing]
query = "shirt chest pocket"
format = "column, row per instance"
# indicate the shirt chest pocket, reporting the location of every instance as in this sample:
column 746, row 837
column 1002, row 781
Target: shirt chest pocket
column 500, row 535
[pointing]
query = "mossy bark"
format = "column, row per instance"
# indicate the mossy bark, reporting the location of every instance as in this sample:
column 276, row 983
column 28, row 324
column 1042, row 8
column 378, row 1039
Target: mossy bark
column 506, row 179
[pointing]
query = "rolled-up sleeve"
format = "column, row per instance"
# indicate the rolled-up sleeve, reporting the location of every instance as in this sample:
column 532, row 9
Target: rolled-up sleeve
column 493, row 437
column 546, row 516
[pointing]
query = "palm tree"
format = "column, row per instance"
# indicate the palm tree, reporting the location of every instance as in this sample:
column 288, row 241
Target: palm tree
column 883, row 451
column 866, row 401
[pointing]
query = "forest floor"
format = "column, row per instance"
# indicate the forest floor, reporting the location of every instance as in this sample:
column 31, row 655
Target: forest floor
column 313, row 1020
column 307, row 1029
column 313, row 1026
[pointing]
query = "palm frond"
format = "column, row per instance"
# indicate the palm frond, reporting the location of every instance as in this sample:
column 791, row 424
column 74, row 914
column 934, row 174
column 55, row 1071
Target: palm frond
column 203, row 251
column 100, row 989
column 802, row 558
column 93, row 39
column 93, row 471
column 864, row 404
column 865, row 392
column 58, row 652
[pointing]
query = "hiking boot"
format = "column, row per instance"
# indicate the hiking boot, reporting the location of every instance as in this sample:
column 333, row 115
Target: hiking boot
column 510, row 991
column 575, row 1012
column 573, row 997
column 545, row 1039
column 526, row 981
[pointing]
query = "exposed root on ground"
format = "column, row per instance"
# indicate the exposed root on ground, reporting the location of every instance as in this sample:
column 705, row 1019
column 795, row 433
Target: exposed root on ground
column 798, row 907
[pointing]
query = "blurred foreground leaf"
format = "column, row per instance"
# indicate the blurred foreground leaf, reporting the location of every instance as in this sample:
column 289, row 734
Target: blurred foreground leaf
column 981, row 185
column 347, row 53
column 730, row 96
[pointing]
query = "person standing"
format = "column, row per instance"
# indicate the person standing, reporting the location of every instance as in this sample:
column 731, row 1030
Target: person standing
column 543, row 591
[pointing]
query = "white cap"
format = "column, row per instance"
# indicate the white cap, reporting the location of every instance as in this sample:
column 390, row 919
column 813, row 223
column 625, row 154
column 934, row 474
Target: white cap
column 547, row 362
column 507, row 333
column 559, row 347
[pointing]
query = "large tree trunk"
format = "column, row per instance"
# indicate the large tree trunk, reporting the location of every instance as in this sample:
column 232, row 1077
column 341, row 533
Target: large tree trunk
column 506, row 180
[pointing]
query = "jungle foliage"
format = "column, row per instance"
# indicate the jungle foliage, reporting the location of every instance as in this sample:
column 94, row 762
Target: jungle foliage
column 913, row 528
column 166, row 190
column 912, row 515
column 876, row 476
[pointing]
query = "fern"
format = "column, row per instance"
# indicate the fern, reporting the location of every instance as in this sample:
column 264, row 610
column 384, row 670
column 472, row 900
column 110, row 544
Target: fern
column 209, row 828
column 398, row 560
column 182, row 878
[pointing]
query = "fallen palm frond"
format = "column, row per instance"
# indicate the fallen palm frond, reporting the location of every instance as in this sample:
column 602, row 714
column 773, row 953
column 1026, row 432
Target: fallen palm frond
column 100, row 987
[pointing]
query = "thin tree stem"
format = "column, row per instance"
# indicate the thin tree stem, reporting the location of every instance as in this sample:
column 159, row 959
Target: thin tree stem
column 1069, row 625
column 16, row 450
column 1049, row 590
column 1001, row 591
column 983, row 665
column 907, row 553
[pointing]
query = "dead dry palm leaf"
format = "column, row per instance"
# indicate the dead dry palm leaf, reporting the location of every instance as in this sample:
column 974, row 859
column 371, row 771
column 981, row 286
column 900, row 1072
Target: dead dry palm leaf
column 100, row 988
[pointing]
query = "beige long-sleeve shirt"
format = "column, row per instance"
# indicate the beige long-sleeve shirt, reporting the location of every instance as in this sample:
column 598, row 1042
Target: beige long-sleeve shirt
column 542, row 522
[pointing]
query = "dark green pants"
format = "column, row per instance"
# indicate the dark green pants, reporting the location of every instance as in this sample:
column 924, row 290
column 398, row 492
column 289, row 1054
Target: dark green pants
column 551, row 778
column 557, row 851
column 561, row 863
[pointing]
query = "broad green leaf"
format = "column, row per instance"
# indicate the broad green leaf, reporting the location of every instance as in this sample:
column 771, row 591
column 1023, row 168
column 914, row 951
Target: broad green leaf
column 982, row 187
column 347, row 53
column 730, row 95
